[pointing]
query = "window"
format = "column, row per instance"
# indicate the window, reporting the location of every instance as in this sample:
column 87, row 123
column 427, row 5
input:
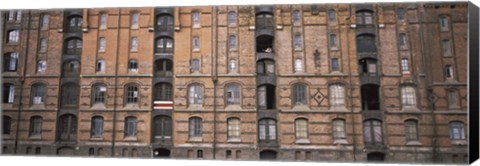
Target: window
column 335, row 66
column 195, row 95
column 333, row 41
column 443, row 23
column 98, row 94
column 411, row 133
column 163, row 92
column 196, row 19
column 264, row 21
column 132, row 66
column 364, row 17
column 457, row 131
column 44, row 22
column 163, row 68
column 296, row 17
column 372, row 131
column 265, row 67
column 200, row 154
column 339, row 129
column 402, row 40
column 13, row 36
column 405, row 65
column 337, row 95
column 366, row 43
column 232, row 94
column 298, row 65
column 10, row 61
column 67, row 127
column 300, row 94
column 103, row 21
column 400, row 13
column 8, row 93
column 446, row 48
column 164, row 22
column 131, row 94
column 135, row 20
column 195, row 65
column 232, row 66
column 228, row 154
column 195, row 127
column 130, row 127
column 43, row 45
column 267, row 130
column 100, row 67
column 448, row 72
column 7, row 122
column 134, row 44
column 232, row 42
column 266, row 96
column 370, row 97
column 74, row 46
column 19, row 15
column 233, row 125
column 71, row 69
column 409, row 97
column 452, row 99
column 332, row 18
column 97, row 126
column 164, row 45
column 232, row 18
column 35, row 126
column 74, row 24
column 196, row 43
column 38, row 93
column 101, row 44
column 297, row 42
column 368, row 66
column 301, row 128
column 70, row 94
column 91, row 152
column 11, row 14
column 162, row 128
column 38, row 150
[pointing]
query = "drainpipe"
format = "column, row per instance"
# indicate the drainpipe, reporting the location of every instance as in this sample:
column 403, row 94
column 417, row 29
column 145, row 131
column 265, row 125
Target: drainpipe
column 22, row 81
column 351, row 86
column 116, row 83
column 1, row 80
column 214, row 78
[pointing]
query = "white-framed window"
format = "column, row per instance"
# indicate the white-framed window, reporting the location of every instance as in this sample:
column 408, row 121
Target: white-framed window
column 232, row 65
column 297, row 42
column 301, row 128
column 233, row 127
column 409, row 96
column 195, row 127
column 232, row 94
column 457, row 130
column 337, row 95
column 411, row 132
column 298, row 65
column 196, row 19
column 195, row 94
column 404, row 64
column 13, row 36
column 100, row 66
column 196, row 43
column 339, row 129
column 103, row 21
column 43, row 44
column 134, row 44
column 448, row 72
column 267, row 130
column 135, row 17
column 41, row 66
column 101, row 44
column 99, row 92
column 44, row 21
column 232, row 18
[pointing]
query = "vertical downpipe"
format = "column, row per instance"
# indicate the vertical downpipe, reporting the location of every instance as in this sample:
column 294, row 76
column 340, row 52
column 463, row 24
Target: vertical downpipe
column 214, row 78
column 116, row 83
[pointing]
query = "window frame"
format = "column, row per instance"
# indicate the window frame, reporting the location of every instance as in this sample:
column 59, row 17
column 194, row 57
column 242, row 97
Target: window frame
column 196, row 19
column 102, row 25
column 370, row 126
column 298, row 65
column 164, row 45
column 300, row 94
column 96, row 128
column 163, row 91
column 297, row 42
column 196, row 66
column 44, row 22
column 102, row 44
column 165, row 130
column 296, row 17
column 411, row 130
column 196, row 43
column 133, row 44
column 265, row 126
column 8, row 94
column 301, row 129
column 448, row 71
column 132, row 94
column 195, row 94
column 232, row 18
column 457, row 125
column 132, row 65
column 232, row 42
column 333, row 41
column 10, row 62
column 332, row 17
column 444, row 23
column 73, row 46
column 13, row 36
column 100, row 66
column 233, row 128
column 233, row 94
column 405, row 65
column 68, row 100
column 408, row 96
column 134, row 21
column 43, row 44
column 6, row 125
column 99, row 94
column 336, row 95
column 38, row 90
column 195, row 125
column 335, row 66
column 338, row 129
column 130, row 127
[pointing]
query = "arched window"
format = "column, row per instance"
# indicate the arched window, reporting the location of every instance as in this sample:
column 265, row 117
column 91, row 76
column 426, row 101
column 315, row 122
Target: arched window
column 35, row 126
column 267, row 130
column 333, row 41
column 163, row 92
column 411, row 132
column 96, row 127
column 8, row 93
column 132, row 65
column 400, row 13
column 195, row 127
column 301, row 128
column 130, row 128
column 264, row 21
column 196, row 43
column 70, row 94
column 296, row 17
column 337, row 95
column 233, row 127
column 73, row 46
column 162, row 128
column 164, row 45
column 100, row 66
column 74, row 24
column 232, row 42
column 332, row 18
column 195, row 94
column 300, row 92
column 10, row 61
column 164, row 22
column 232, row 94
column 131, row 94
column 298, row 65
column 102, row 42
column 67, row 128
column 43, row 45
column 103, row 21
column 457, row 130
column 196, row 19
column 409, row 96
column 134, row 21
column 98, row 94
column 364, row 17
column 232, row 18
column 13, row 36
column 133, row 44
column 6, row 125
column 163, row 68
column 38, row 93
column 232, row 65
column 339, row 129
column 44, row 21
column 372, row 132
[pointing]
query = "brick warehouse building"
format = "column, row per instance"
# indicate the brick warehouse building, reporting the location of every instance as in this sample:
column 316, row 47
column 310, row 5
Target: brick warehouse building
column 332, row 82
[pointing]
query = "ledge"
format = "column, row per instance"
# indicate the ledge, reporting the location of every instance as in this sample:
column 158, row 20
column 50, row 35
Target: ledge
column 234, row 140
column 302, row 141
column 340, row 141
column 195, row 139
column 413, row 143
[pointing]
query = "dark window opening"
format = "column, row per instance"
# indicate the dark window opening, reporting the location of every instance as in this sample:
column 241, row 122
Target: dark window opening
column 370, row 97
column 267, row 130
column 8, row 93
column 364, row 17
column 264, row 21
column 163, row 92
column 199, row 154
column 164, row 45
column 10, row 61
column 372, row 132
column 74, row 24
column 7, row 122
column 368, row 66
column 164, row 22
column 67, row 128
column 375, row 157
column 265, row 43
column 70, row 95
column 73, row 46
column 266, row 67
column 71, row 69
column 366, row 43
column 266, row 97
column 268, row 155
column 162, row 128
column 163, row 68
column 161, row 153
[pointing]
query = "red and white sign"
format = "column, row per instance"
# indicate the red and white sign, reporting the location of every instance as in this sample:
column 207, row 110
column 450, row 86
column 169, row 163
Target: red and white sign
column 162, row 105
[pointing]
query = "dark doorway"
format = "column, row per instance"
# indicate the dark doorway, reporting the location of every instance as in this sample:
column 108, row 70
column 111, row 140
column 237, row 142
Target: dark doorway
column 268, row 155
column 161, row 153
column 266, row 96
column 65, row 151
column 370, row 97
column 375, row 157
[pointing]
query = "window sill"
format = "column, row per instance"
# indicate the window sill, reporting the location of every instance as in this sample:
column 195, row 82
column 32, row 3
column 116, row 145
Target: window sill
column 233, row 50
column 130, row 138
column 99, row 139
column 298, row 50
column 133, row 51
column 334, row 48
column 340, row 141
column 232, row 107
column 459, row 142
column 38, row 106
column 410, row 109
column 302, row 141
column 195, row 139
column 7, row 105
column 338, row 109
column 132, row 71
column 196, row 50
column 195, row 107
column 413, row 143
column 131, row 106
column 234, row 140
column 454, row 108
column 35, row 137
column 12, row 43
column 300, row 108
